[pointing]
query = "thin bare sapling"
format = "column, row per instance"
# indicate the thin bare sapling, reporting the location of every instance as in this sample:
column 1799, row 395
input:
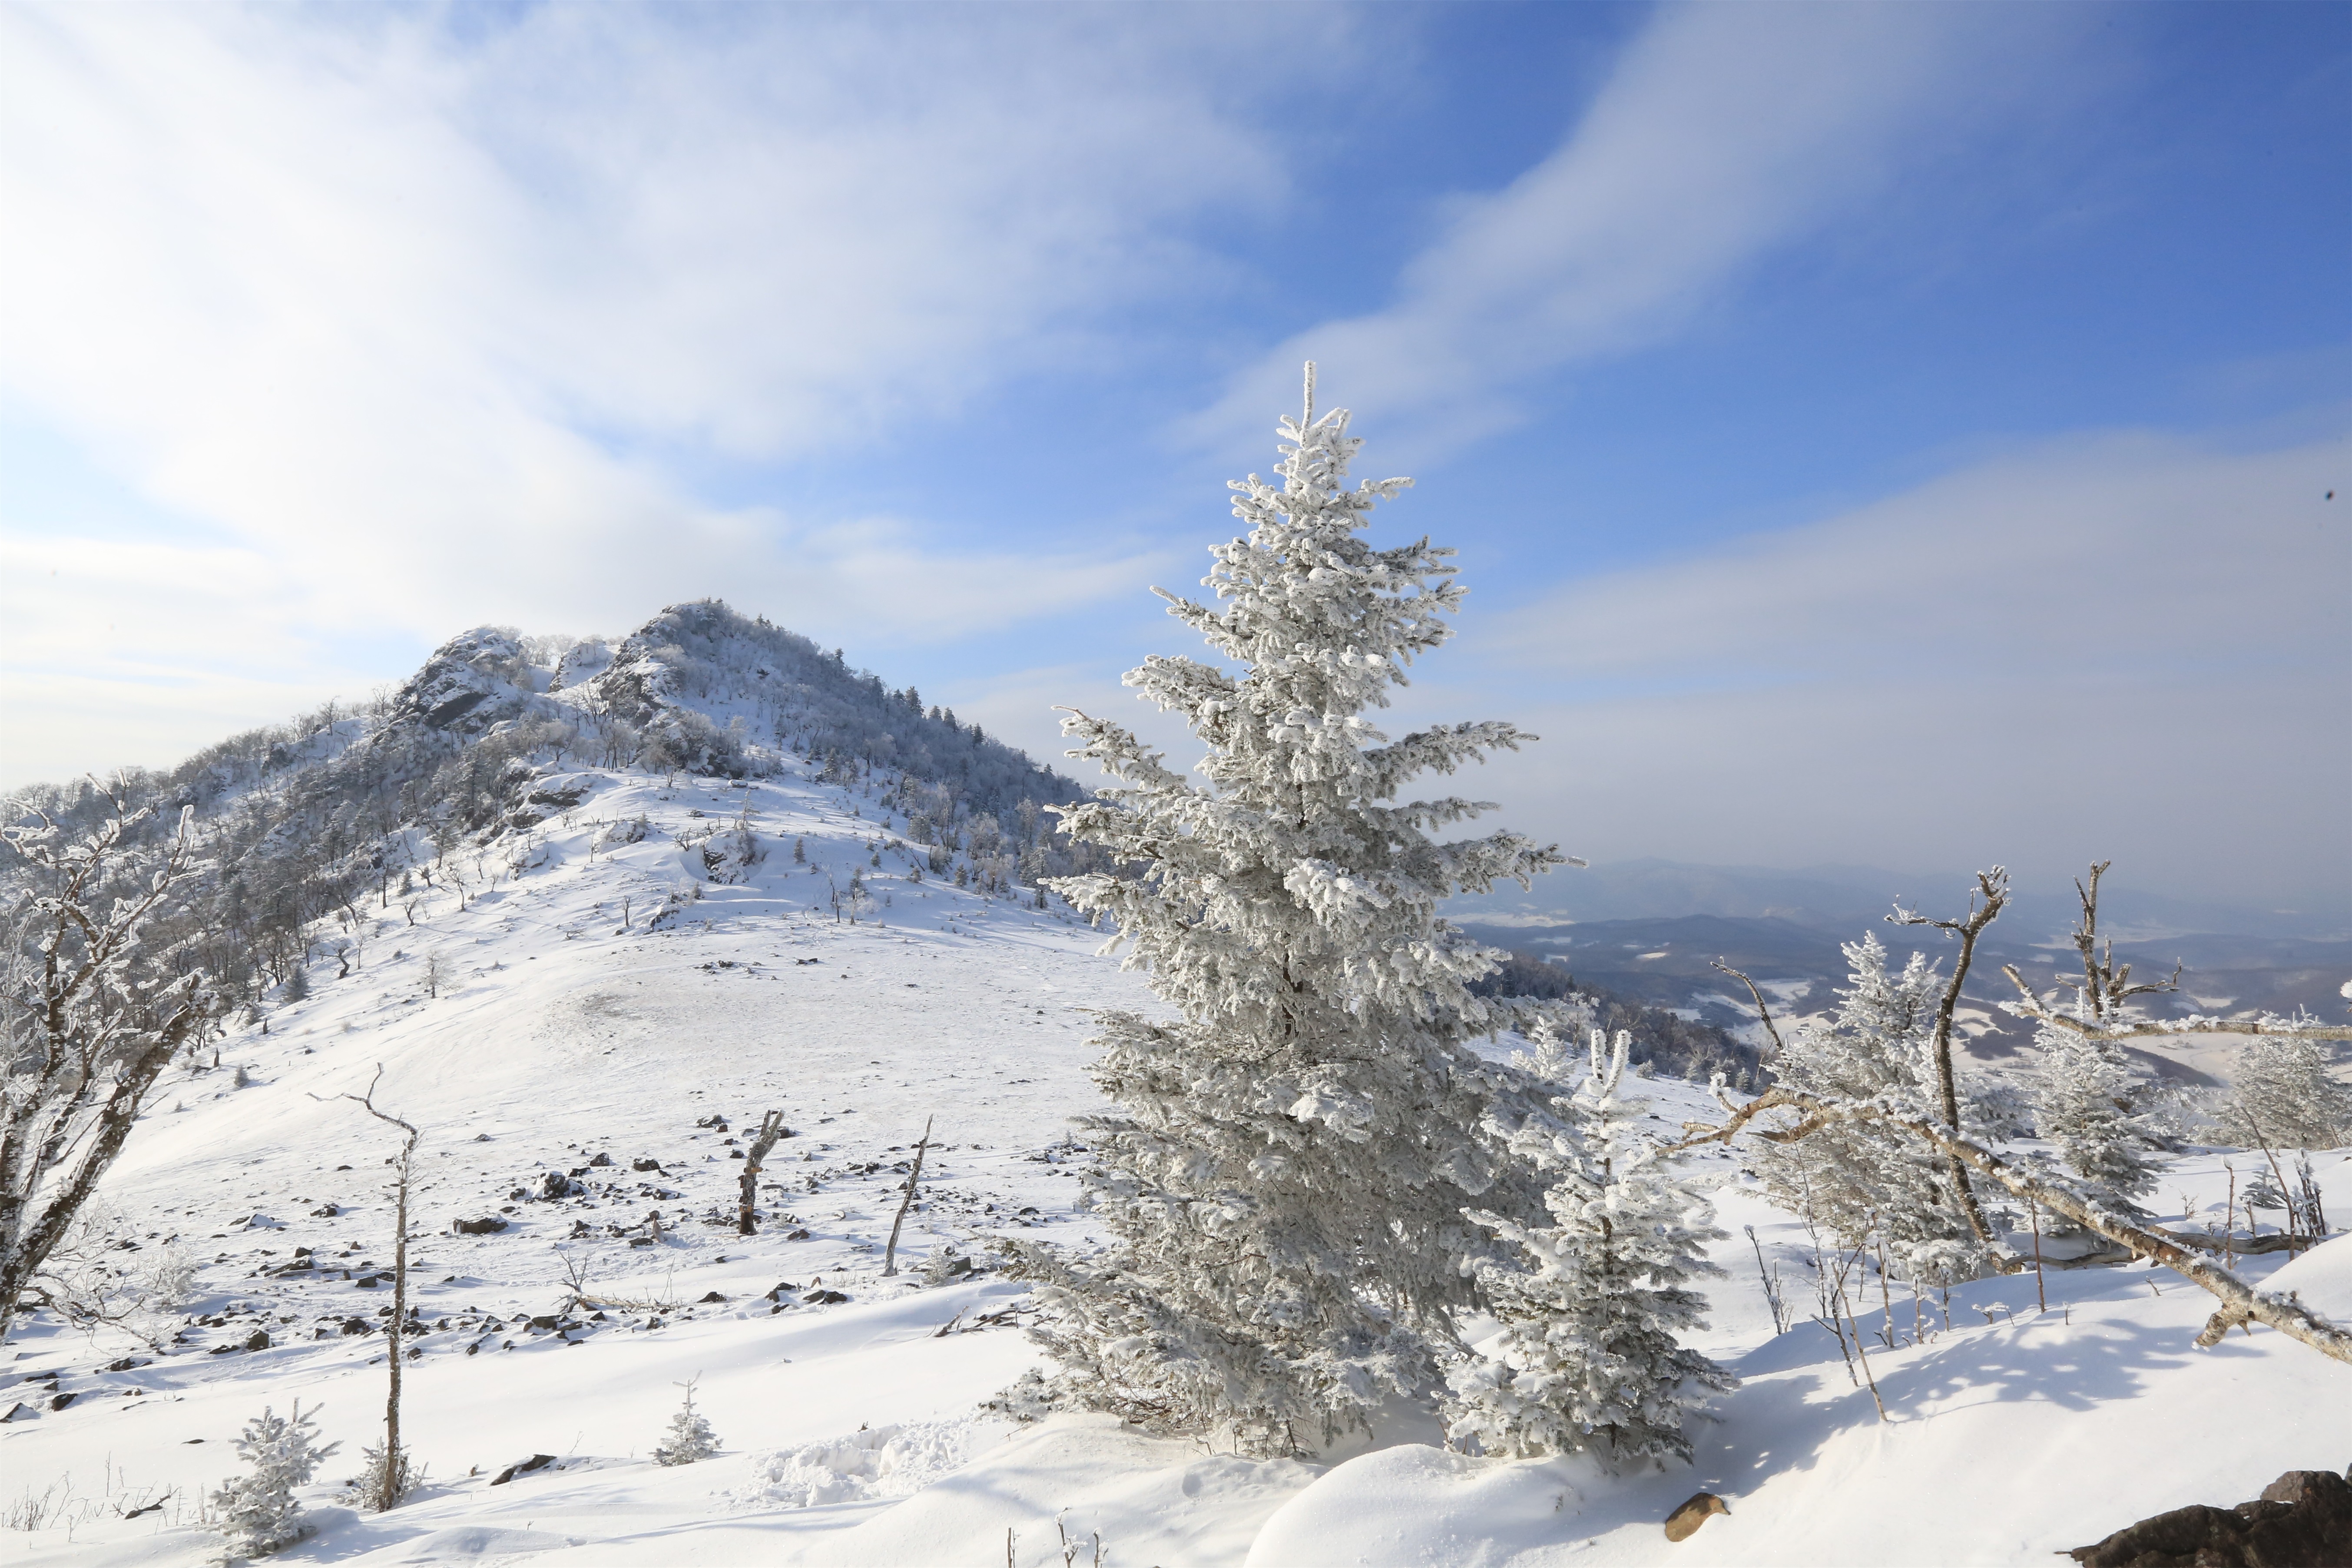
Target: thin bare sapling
column 890, row 1253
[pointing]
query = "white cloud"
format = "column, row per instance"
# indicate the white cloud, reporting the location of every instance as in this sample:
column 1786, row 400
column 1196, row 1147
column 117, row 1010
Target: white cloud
column 431, row 316
column 1725, row 131
column 2126, row 645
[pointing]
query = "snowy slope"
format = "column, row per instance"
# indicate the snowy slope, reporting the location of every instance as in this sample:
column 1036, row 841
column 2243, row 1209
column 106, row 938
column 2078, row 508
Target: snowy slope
column 850, row 1426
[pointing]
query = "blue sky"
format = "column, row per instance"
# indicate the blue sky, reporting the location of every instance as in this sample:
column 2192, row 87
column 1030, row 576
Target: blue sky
column 1890, row 435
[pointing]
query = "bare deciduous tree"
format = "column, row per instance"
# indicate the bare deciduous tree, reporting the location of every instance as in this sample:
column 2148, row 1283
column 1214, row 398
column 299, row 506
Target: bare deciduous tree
column 93, row 1020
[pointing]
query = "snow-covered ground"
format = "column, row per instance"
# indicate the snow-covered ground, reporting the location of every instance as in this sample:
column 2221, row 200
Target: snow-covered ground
column 850, row 1426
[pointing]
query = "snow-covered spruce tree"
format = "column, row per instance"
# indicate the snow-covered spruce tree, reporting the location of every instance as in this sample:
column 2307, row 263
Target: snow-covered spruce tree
column 2095, row 1106
column 690, row 1439
column 1590, row 1358
column 1860, row 1178
column 1287, row 1167
column 258, row 1512
column 2283, row 1098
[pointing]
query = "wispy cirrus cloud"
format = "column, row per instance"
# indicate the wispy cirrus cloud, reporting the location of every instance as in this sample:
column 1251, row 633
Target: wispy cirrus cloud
column 1724, row 133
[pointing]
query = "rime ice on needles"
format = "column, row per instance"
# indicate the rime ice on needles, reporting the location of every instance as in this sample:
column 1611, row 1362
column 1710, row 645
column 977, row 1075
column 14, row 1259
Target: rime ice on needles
column 1590, row 1358
column 1860, row 1177
column 1285, row 1173
column 691, row 1438
column 257, row 1511
column 2092, row 1106
column 2283, row 1098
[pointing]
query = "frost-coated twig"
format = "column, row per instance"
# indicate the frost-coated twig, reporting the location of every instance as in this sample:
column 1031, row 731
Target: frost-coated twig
column 1772, row 1278
column 1762, row 1011
column 2032, row 1007
column 2241, row 1302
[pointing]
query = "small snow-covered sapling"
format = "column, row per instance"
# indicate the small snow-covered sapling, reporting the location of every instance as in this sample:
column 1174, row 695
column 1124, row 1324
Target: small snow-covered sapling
column 690, row 1437
column 257, row 1511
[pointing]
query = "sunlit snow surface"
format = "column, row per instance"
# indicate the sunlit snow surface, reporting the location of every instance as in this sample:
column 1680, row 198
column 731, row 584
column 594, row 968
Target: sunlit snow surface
column 850, row 1430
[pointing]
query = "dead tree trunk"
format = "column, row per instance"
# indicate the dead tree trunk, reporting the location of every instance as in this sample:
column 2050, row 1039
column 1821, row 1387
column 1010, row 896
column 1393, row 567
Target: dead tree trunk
column 890, row 1253
column 771, row 1129
column 392, row 1474
column 1992, row 887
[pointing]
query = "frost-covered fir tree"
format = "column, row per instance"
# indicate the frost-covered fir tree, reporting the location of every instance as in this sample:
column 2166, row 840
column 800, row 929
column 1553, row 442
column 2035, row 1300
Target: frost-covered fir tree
column 258, row 1512
column 1861, row 1178
column 2281, row 1095
column 1590, row 1356
column 2095, row 1108
column 690, row 1439
column 1286, row 1169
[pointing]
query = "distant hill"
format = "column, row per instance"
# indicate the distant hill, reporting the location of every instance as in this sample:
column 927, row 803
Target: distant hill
column 1845, row 898
column 306, row 825
column 1668, row 963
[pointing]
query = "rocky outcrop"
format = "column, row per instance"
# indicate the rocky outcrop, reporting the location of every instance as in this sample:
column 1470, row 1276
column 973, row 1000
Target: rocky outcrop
column 467, row 686
column 2302, row 1519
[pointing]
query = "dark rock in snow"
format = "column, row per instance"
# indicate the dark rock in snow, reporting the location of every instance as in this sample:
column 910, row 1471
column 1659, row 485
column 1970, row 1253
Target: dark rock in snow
column 2302, row 1519
column 257, row 1341
column 602, row 1160
column 824, row 1297
column 488, row 1225
column 62, row 1400
column 714, row 1295
column 647, row 1165
column 522, row 1468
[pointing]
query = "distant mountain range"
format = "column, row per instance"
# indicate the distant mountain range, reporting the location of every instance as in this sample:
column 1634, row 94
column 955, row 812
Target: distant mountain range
column 1845, row 898
column 1669, row 963
column 1649, row 929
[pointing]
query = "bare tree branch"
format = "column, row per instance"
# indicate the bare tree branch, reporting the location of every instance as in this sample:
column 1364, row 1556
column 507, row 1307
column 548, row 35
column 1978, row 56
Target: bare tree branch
column 2035, row 1008
column 1762, row 1011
